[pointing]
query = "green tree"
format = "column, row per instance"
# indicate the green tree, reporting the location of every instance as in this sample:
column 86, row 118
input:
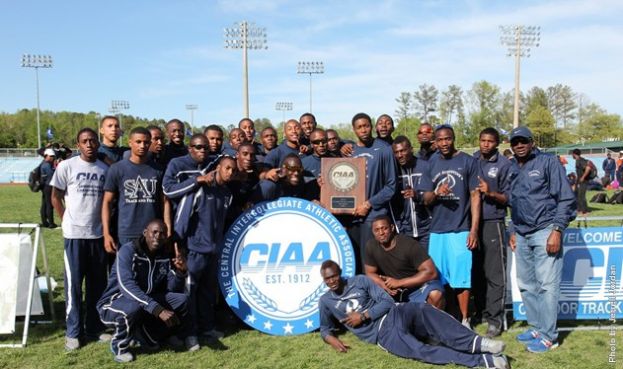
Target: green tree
column 404, row 106
column 542, row 124
column 484, row 99
column 451, row 107
column 425, row 100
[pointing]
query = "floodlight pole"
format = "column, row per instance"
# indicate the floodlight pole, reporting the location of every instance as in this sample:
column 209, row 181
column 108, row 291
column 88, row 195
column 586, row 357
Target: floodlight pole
column 37, row 61
column 245, row 35
column 116, row 106
column 519, row 39
column 283, row 106
column 192, row 108
column 310, row 68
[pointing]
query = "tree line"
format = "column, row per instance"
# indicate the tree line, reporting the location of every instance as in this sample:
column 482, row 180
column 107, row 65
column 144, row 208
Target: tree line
column 556, row 115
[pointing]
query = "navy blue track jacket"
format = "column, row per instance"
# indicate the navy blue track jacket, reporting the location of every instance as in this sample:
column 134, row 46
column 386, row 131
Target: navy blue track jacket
column 136, row 276
column 540, row 194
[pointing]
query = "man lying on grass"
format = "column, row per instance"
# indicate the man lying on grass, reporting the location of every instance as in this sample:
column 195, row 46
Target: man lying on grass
column 369, row 312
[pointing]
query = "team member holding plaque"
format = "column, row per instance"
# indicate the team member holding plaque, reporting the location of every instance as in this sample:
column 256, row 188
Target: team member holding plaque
column 380, row 183
column 455, row 204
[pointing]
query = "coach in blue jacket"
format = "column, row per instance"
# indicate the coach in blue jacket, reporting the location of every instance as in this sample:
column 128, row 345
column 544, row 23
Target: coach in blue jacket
column 542, row 205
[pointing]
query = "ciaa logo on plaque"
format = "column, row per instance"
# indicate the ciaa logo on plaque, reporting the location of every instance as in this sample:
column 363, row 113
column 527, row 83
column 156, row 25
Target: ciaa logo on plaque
column 269, row 270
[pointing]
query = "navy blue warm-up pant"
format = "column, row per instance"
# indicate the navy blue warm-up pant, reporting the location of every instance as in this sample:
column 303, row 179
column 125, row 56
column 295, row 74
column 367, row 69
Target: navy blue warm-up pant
column 84, row 260
column 126, row 314
column 203, row 280
column 404, row 326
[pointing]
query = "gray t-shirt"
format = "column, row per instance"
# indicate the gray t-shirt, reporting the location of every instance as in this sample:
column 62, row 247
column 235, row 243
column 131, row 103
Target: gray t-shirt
column 83, row 183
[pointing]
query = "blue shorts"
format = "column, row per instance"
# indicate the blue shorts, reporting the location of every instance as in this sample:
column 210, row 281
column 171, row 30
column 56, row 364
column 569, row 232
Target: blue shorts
column 452, row 258
column 419, row 294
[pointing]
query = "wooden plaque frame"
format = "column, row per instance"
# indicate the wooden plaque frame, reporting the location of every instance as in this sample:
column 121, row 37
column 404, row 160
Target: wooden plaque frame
column 343, row 184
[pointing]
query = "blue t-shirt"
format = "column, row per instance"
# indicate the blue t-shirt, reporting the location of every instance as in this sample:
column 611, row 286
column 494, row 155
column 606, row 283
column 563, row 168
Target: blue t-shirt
column 380, row 176
column 139, row 195
column 496, row 172
column 452, row 213
column 275, row 157
column 112, row 153
column 311, row 167
column 412, row 217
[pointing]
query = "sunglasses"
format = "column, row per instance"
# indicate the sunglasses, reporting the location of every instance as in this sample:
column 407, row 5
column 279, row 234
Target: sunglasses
column 319, row 142
column 520, row 140
column 200, row 147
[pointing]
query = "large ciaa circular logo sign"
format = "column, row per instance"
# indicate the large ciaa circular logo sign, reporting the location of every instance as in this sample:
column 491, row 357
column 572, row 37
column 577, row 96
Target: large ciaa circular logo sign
column 269, row 270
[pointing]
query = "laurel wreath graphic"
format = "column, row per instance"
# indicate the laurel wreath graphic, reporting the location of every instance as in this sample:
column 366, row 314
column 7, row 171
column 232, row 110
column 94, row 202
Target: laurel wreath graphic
column 311, row 301
column 262, row 300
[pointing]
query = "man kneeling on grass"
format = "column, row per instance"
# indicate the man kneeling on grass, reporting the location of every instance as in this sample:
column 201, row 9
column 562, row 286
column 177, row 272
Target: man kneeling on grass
column 369, row 312
column 144, row 300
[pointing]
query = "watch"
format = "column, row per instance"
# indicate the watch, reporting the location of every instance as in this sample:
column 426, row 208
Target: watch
column 558, row 229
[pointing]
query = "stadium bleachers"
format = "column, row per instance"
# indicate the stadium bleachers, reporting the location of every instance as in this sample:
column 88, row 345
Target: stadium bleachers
column 16, row 170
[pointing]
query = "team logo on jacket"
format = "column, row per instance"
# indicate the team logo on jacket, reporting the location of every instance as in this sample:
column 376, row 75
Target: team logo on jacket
column 493, row 172
column 269, row 270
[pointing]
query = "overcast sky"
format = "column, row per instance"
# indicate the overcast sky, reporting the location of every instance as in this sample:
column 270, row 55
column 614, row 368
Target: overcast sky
column 162, row 55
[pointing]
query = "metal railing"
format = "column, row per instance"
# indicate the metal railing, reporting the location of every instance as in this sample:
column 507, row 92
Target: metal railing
column 13, row 152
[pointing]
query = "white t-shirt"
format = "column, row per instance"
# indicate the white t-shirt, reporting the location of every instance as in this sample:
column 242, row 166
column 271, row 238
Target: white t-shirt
column 83, row 183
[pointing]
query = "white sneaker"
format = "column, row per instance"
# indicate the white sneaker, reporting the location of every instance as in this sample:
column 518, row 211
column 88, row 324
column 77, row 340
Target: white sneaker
column 192, row 344
column 492, row 346
column 71, row 344
column 213, row 334
column 500, row 362
column 467, row 323
column 126, row 357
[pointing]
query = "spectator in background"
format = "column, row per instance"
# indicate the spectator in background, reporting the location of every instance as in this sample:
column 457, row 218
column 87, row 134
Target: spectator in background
column 542, row 205
column 176, row 147
column 609, row 166
column 583, row 172
column 47, row 171
column 508, row 153
column 619, row 171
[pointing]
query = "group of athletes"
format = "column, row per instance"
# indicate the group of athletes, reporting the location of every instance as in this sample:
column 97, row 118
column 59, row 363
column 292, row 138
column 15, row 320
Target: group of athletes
column 143, row 226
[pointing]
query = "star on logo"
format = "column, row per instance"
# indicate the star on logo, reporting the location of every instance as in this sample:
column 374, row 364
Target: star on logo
column 309, row 324
column 251, row 318
column 288, row 328
column 268, row 325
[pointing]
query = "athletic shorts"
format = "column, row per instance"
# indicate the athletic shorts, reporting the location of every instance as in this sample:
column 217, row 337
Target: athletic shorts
column 419, row 294
column 452, row 258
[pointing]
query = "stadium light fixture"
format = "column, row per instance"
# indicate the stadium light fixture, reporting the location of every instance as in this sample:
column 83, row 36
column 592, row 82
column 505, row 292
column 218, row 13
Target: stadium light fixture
column 37, row 61
column 283, row 106
column 310, row 68
column 244, row 35
column 192, row 108
column 519, row 40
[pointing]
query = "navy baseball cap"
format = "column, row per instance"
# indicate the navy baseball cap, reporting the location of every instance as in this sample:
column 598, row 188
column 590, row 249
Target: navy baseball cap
column 521, row 132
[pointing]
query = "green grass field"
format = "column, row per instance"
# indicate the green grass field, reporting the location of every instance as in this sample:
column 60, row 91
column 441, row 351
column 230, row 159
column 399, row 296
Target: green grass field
column 244, row 348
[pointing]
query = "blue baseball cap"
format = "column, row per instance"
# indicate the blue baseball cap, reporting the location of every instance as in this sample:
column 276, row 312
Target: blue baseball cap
column 521, row 132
